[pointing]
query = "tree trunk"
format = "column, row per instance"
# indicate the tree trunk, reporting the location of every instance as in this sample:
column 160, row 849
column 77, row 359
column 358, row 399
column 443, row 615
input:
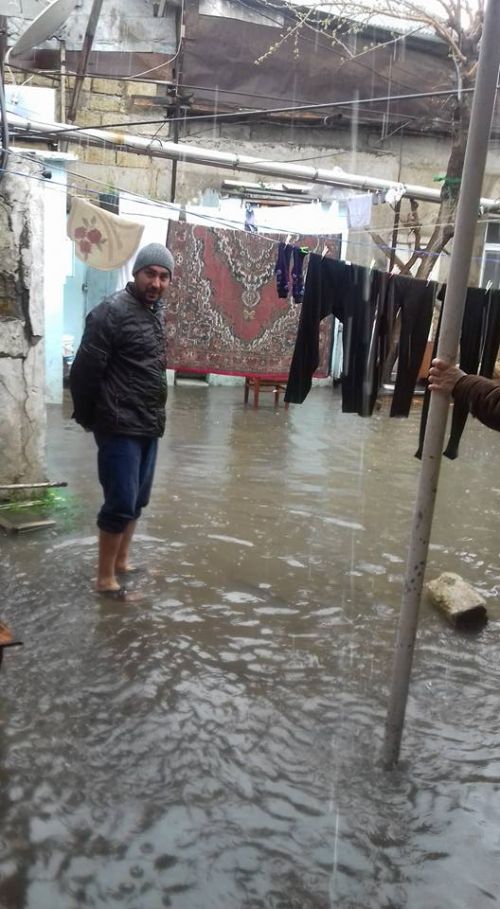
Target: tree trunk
column 445, row 222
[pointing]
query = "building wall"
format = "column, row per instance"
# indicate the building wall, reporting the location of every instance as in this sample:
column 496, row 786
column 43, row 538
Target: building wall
column 129, row 28
column 127, row 25
column 22, row 406
column 57, row 265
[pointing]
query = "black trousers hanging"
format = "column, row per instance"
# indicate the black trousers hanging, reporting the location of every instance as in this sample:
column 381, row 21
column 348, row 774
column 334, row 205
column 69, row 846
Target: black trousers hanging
column 415, row 301
column 471, row 335
column 427, row 396
column 492, row 335
column 365, row 339
column 323, row 296
column 355, row 337
column 479, row 345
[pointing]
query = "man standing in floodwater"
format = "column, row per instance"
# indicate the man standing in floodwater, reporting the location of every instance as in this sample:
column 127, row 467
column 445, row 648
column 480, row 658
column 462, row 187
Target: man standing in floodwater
column 119, row 388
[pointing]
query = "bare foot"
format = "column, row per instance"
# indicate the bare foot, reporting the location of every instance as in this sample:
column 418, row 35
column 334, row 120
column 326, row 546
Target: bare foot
column 103, row 584
column 5, row 634
column 120, row 594
column 127, row 569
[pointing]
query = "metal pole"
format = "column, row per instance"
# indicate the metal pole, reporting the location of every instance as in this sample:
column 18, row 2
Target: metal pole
column 88, row 41
column 181, row 34
column 468, row 205
column 173, row 174
column 62, row 63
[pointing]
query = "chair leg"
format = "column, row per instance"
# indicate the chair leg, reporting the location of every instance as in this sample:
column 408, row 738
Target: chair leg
column 256, row 390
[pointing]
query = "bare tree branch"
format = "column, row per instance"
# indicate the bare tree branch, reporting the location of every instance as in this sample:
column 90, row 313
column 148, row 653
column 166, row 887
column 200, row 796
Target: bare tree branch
column 458, row 24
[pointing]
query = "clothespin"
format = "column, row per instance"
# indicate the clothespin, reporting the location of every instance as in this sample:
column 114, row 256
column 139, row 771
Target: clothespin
column 489, row 286
column 288, row 238
column 372, row 263
column 325, row 250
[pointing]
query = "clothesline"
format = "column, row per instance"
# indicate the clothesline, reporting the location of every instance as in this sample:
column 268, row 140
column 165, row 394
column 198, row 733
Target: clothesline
column 212, row 219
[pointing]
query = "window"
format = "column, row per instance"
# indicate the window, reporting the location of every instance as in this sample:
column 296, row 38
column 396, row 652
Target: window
column 490, row 268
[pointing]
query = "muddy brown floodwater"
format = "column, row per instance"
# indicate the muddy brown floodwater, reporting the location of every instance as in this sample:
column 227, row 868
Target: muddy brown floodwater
column 217, row 746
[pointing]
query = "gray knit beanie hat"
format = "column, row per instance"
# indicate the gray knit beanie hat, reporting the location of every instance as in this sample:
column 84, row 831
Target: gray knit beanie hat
column 154, row 254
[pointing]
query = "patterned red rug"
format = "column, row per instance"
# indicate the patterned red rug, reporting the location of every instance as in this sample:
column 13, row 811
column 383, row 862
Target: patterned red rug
column 223, row 312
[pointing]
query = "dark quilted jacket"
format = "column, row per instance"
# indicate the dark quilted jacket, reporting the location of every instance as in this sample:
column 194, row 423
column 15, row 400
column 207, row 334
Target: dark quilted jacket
column 118, row 380
column 482, row 397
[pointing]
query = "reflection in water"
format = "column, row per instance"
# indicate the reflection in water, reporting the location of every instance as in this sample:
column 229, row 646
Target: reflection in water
column 216, row 746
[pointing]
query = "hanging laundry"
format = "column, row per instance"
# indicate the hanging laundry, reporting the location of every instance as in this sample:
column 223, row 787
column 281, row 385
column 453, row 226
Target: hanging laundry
column 250, row 224
column 415, row 300
column 361, row 306
column 359, row 211
column 322, row 297
column 366, row 302
column 223, row 313
column 290, row 256
column 357, row 318
column 102, row 239
column 472, row 333
column 282, row 270
column 479, row 345
column 427, row 395
column 382, row 320
column 395, row 194
column 491, row 344
column 298, row 256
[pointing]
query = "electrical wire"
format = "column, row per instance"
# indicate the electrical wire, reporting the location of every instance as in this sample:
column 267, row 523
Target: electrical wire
column 214, row 117
column 326, row 46
column 217, row 220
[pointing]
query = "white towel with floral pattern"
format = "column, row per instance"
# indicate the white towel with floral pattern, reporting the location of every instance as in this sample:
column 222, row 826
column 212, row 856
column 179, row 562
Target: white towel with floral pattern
column 102, row 239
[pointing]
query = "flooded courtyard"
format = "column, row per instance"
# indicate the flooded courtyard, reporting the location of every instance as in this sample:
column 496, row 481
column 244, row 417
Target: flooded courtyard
column 217, row 745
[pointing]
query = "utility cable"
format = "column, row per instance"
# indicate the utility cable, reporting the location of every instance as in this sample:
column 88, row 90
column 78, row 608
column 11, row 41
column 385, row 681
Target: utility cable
column 225, row 117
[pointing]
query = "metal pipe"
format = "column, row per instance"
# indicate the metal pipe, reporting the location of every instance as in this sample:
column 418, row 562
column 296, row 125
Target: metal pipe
column 473, row 172
column 193, row 154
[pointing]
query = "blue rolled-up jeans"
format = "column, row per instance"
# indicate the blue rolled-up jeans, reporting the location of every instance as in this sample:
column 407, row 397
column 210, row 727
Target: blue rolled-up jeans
column 126, row 467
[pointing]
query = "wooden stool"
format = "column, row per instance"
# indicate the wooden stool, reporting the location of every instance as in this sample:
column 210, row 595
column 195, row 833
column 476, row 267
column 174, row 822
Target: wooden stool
column 276, row 386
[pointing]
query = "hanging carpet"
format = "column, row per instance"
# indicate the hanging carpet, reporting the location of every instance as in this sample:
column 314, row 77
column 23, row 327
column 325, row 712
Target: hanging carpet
column 102, row 239
column 223, row 312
